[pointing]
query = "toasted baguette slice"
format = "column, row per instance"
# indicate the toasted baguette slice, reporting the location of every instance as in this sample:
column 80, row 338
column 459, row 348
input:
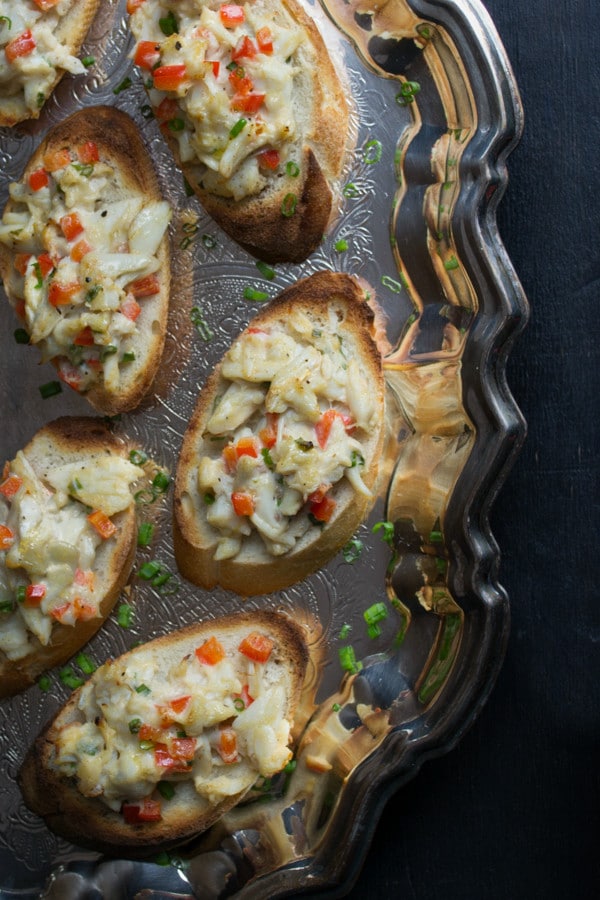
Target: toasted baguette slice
column 280, row 459
column 236, row 712
column 59, row 579
column 85, row 259
column 39, row 46
column 259, row 126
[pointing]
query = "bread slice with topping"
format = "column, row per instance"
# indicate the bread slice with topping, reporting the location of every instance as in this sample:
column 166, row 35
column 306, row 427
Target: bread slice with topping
column 67, row 543
column 162, row 741
column 84, row 256
column 39, row 42
column 254, row 111
column 279, row 463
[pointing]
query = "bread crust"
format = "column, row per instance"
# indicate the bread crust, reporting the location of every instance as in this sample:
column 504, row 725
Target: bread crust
column 71, row 32
column 255, row 571
column 120, row 144
column 67, row 439
column 256, row 222
column 88, row 821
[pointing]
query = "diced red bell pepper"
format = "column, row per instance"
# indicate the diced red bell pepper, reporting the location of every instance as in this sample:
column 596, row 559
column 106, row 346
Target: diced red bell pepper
column 245, row 48
column 246, row 446
column 11, row 485
column 167, row 109
column 144, row 287
column 22, row 45
column 149, row 733
column 20, row 262
column 46, row 264
column 269, row 159
column 264, row 39
column 248, row 103
column 84, row 610
column 144, row 811
column 227, row 746
column 60, row 294
column 176, row 755
column 101, row 522
column 325, row 423
column 147, row 54
column 215, row 65
column 69, row 373
column 71, row 226
column 85, row 578
column 268, row 434
column 169, row 78
column 231, row 15
column 80, row 249
column 85, row 338
column 130, row 307
column 168, row 713
column 38, row 180
column 243, row 503
column 256, row 646
column 7, row 537
column 34, row 594
column 45, row 5
column 323, row 509
column 211, row 652
column 132, row 5
column 88, row 153
column 56, row 159
column 240, row 82
column 244, row 697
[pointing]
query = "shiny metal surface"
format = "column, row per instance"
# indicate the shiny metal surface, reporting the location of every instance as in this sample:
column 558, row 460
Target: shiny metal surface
column 436, row 114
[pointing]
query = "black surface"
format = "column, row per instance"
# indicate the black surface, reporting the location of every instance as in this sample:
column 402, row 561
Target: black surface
column 512, row 813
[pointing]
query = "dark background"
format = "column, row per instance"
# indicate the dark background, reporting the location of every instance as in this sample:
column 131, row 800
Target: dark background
column 512, row 813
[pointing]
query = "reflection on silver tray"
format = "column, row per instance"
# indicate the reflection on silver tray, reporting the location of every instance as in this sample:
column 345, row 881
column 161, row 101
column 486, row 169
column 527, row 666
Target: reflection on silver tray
column 436, row 114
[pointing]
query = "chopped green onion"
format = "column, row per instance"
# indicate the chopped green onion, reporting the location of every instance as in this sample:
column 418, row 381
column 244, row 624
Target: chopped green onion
column 348, row 660
column 145, row 533
column 128, row 356
column 69, row 678
column 166, row 789
column 21, row 336
column 373, row 151
column 209, row 241
column 407, row 92
column 391, row 283
column 200, row 323
column 266, row 455
column 107, row 351
column 352, row 550
column 44, row 683
column 375, row 613
column 451, row 264
column 124, row 615
column 357, row 459
column 239, row 704
column 351, row 190
column 50, row 389
column 138, row 457
column 292, row 168
column 176, row 124
column 85, row 663
column 336, row 707
column 21, row 593
column 88, row 61
column 441, row 565
column 238, row 127
column 7, row 20
column 86, row 170
column 135, row 725
column 38, row 271
column 75, row 485
column 149, row 570
column 146, row 745
column 126, row 83
column 435, row 537
column 161, row 482
column 288, row 205
column 209, row 498
column 345, row 631
column 305, row 445
column 265, row 270
column 341, row 245
column 373, row 631
column 254, row 294
column 168, row 24
column 142, row 689
column 387, row 529
column 162, row 858
column 6, row 606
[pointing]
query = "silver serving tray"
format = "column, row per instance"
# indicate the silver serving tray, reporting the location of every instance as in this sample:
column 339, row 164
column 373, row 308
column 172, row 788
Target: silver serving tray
column 436, row 113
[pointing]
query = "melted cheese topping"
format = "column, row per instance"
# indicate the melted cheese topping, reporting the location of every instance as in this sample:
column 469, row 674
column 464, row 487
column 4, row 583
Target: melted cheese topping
column 143, row 723
column 286, row 428
column 49, row 545
column 233, row 98
column 85, row 252
column 30, row 51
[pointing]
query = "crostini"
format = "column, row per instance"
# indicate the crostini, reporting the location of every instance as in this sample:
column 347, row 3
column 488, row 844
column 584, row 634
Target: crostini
column 67, row 543
column 162, row 741
column 254, row 112
column 279, row 462
column 39, row 42
column 84, row 257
